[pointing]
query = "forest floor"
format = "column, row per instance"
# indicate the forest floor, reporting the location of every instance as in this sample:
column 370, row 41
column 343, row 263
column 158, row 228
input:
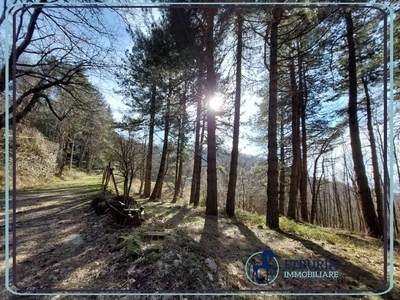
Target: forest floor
column 62, row 245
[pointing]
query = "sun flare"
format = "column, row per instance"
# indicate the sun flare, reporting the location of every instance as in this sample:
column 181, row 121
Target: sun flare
column 216, row 102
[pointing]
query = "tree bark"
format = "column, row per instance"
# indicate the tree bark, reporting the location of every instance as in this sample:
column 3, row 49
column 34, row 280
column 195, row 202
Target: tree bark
column 272, row 214
column 337, row 199
column 368, row 208
column 374, row 158
column 282, row 172
column 195, row 188
column 179, row 162
column 22, row 114
column 63, row 148
column 231, row 195
column 200, row 158
column 71, row 159
column 296, row 164
column 82, row 152
column 162, row 170
column 348, row 193
column 314, row 196
column 142, row 169
column 304, row 173
column 212, row 191
column 149, row 159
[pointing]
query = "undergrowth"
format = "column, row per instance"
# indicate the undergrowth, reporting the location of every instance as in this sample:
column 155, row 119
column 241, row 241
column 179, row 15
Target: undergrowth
column 36, row 157
column 307, row 231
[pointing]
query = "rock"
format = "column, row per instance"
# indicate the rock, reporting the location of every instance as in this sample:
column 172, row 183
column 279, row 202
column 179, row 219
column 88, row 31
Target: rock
column 176, row 263
column 74, row 239
column 159, row 264
column 131, row 270
column 210, row 277
column 211, row 264
column 195, row 272
column 233, row 270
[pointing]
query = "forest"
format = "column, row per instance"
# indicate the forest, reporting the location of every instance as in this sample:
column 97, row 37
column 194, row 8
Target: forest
column 324, row 139
column 281, row 111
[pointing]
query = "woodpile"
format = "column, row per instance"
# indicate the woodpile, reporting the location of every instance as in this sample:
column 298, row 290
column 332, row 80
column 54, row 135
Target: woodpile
column 122, row 215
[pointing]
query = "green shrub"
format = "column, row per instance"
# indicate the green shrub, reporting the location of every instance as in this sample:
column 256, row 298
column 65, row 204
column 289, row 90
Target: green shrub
column 133, row 248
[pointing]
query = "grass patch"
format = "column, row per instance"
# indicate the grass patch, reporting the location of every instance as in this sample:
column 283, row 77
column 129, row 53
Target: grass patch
column 73, row 174
column 249, row 218
column 193, row 219
column 308, row 231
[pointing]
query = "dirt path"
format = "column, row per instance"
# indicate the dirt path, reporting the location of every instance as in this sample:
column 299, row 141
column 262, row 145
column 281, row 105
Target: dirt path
column 52, row 235
column 62, row 245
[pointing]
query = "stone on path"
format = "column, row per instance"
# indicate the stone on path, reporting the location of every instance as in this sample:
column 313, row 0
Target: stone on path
column 74, row 239
column 211, row 264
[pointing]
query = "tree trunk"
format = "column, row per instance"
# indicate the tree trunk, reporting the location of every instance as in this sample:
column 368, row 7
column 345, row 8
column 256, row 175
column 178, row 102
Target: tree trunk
column 231, row 195
column 272, row 214
column 337, row 199
column 282, row 172
column 212, row 190
column 304, row 173
column 22, row 114
column 179, row 163
column 194, row 197
column 82, row 152
column 71, row 159
column 176, row 188
column 325, row 210
column 314, row 195
column 296, row 164
column 90, row 162
column 374, row 158
column 149, row 160
column 368, row 209
column 348, row 193
column 62, row 154
column 199, row 164
column 142, row 172
column 161, row 172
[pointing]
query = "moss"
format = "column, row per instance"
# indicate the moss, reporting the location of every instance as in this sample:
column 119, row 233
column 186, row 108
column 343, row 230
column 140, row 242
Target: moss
column 152, row 257
column 133, row 248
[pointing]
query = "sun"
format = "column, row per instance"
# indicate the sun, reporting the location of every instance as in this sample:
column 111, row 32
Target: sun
column 216, row 102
